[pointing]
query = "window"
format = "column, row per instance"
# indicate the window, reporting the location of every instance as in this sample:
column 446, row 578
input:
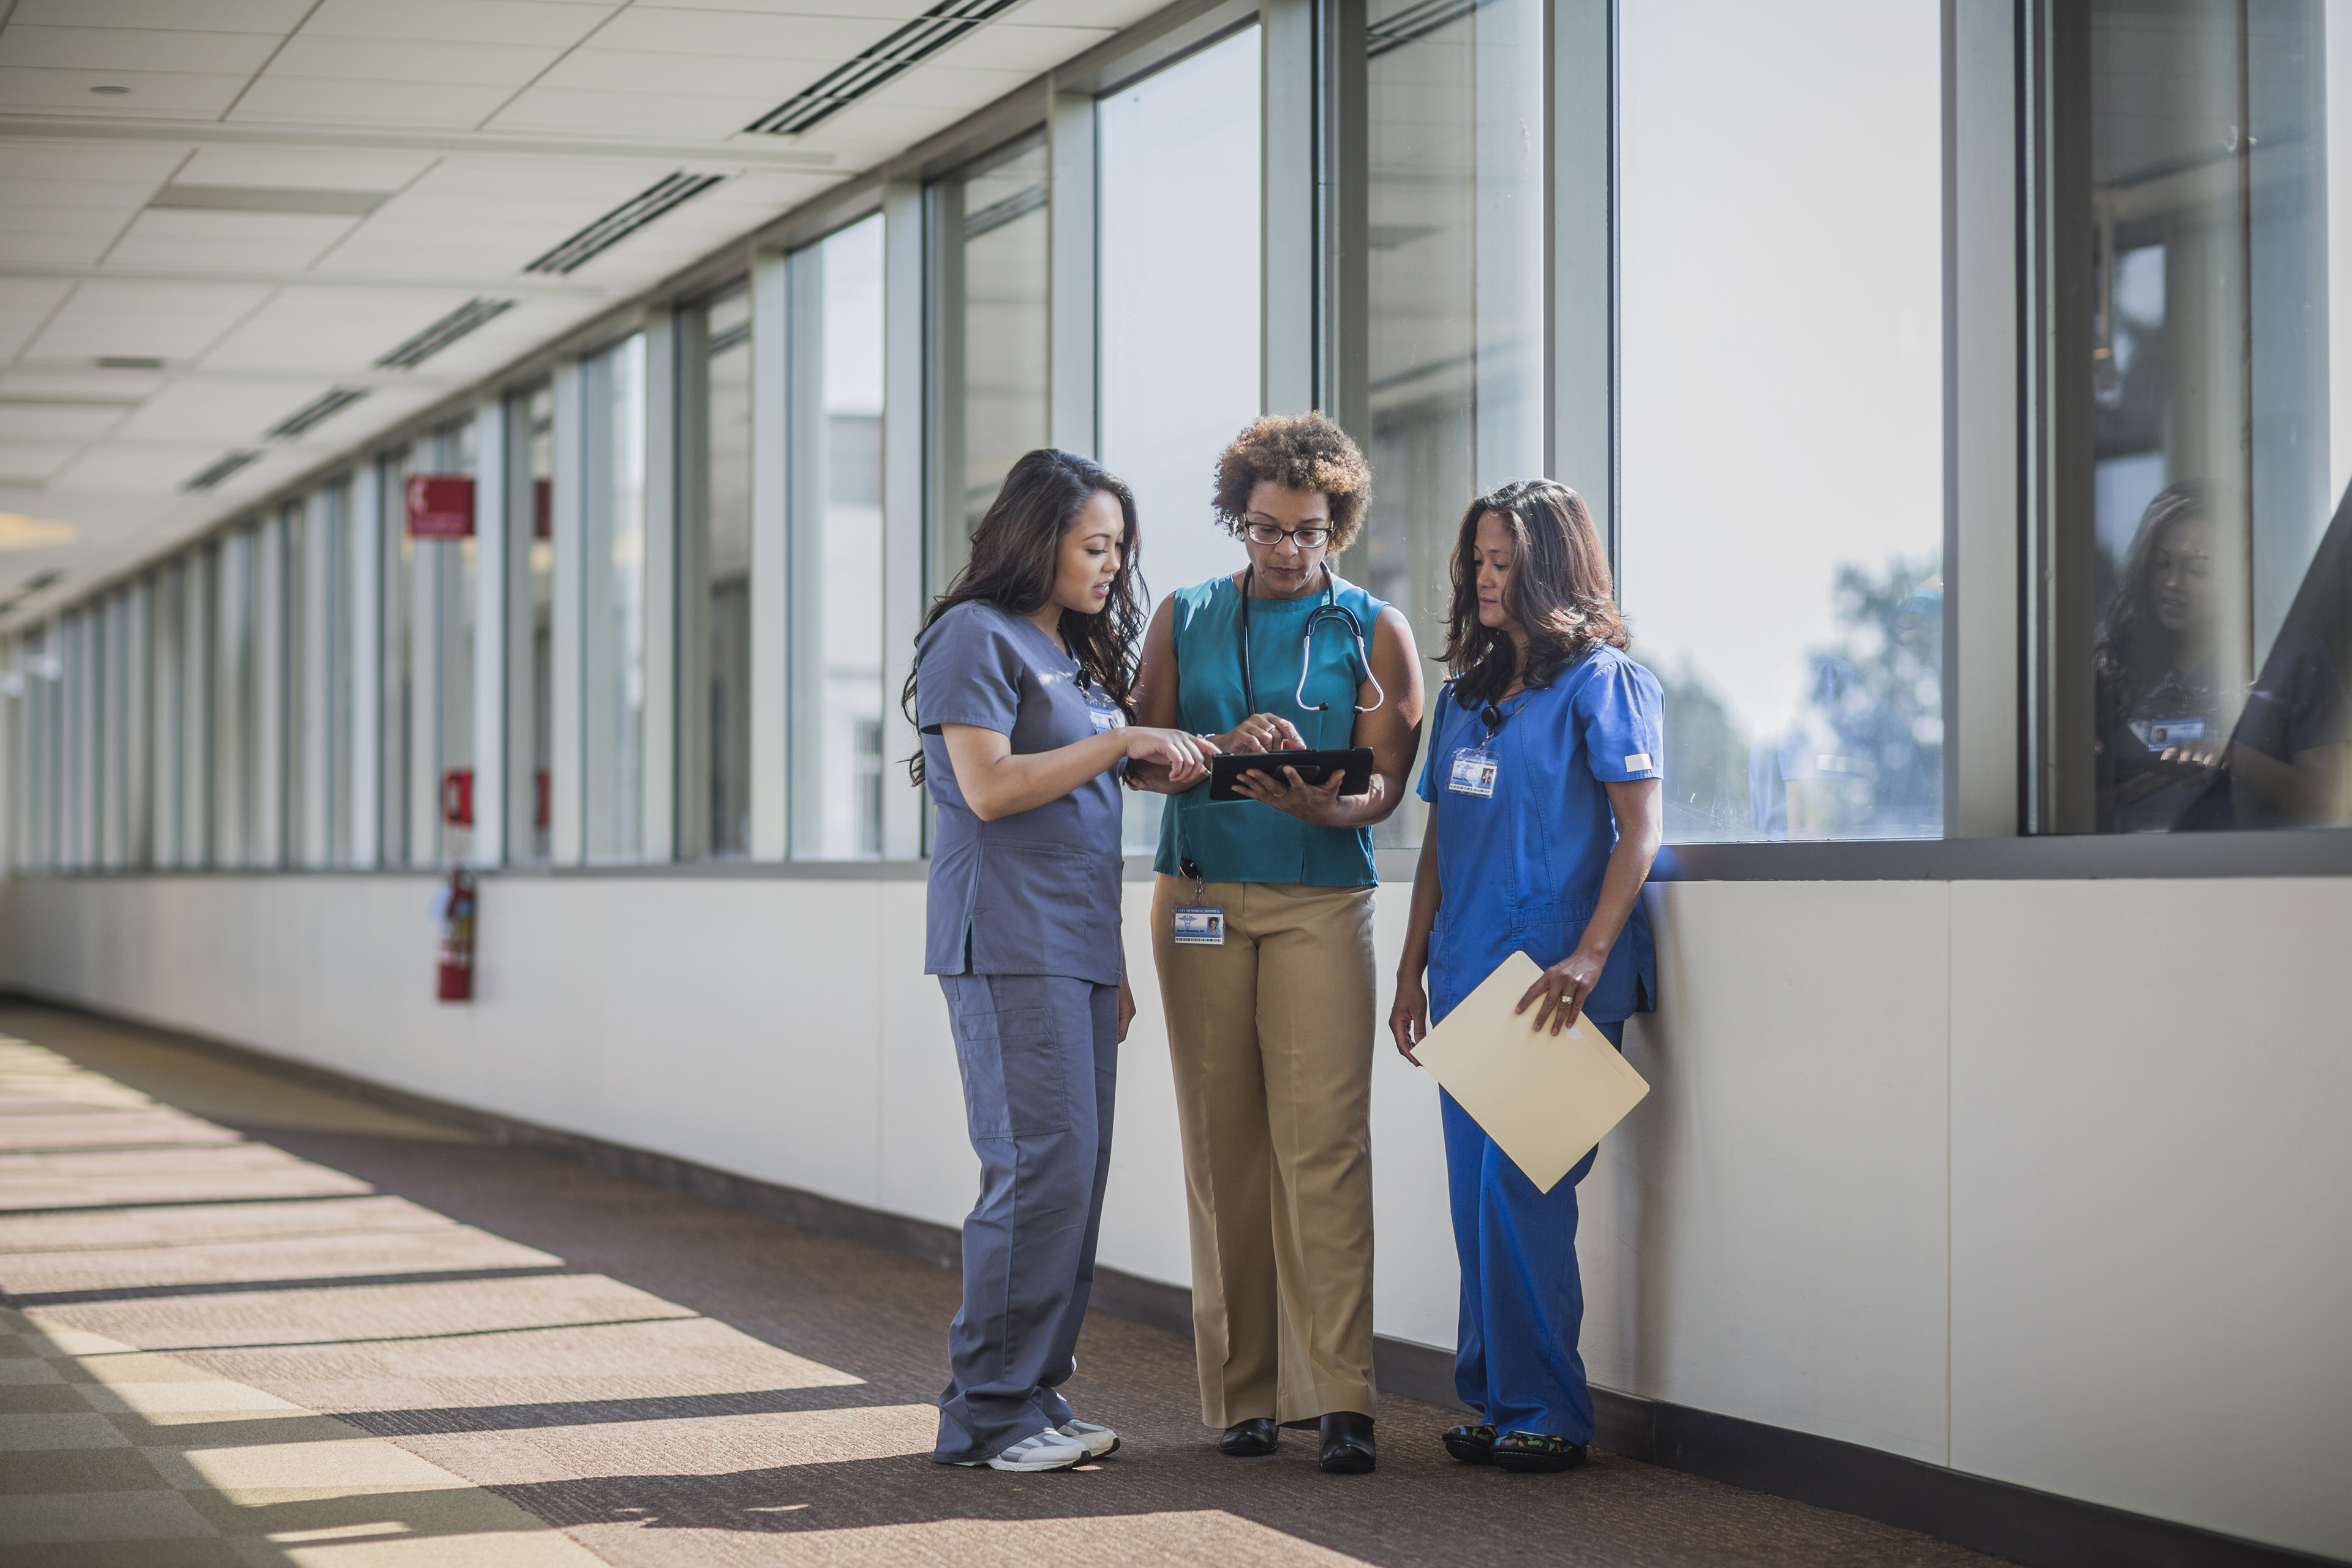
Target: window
column 531, row 714
column 232, row 559
column 1178, row 197
column 436, row 638
column 715, row 574
column 2201, row 395
column 615, row 606
column 836, row 558
column 1781, row 410
column 992, row 238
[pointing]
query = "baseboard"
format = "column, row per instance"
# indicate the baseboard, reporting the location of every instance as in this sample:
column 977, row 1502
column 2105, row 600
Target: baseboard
column 2037, row 1527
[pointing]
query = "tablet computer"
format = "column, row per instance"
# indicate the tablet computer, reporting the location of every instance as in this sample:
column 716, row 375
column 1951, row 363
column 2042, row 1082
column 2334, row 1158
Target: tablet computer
column 1313, row 767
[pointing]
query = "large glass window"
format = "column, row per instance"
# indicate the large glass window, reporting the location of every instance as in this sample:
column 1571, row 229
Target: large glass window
column 1177, row 188
column 438, row 566
column 531, row 714
column 715, row 711
column 233, row 732
column 614, row 610
column 837, row 555
column 2203, row 385
column 1782, row 410
column 994, row 223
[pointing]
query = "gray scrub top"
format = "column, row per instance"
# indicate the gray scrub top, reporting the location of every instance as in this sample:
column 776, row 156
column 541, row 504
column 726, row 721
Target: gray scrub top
column 1032, row 894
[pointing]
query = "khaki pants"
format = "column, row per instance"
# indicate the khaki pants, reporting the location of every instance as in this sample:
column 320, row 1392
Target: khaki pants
column 1271, row 1035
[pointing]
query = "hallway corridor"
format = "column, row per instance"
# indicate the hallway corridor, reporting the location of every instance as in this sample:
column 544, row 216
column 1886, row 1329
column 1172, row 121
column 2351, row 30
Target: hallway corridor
column 254, row 1322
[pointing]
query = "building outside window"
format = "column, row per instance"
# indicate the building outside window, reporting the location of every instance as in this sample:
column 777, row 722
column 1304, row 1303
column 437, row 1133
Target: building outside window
column 836, row 558
column 1177, row 194
column 613, row 777
column 715, row 574
column 1782, row 410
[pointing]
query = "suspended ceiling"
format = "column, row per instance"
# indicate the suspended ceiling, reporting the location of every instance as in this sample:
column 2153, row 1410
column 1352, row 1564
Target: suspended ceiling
column 215, row 213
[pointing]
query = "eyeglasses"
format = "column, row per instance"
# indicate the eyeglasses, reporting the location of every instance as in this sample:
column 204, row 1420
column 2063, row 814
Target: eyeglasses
column 1313, row 537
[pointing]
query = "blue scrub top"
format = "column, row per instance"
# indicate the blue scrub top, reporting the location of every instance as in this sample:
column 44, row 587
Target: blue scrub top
column 1036, row 893
column 1521, row 869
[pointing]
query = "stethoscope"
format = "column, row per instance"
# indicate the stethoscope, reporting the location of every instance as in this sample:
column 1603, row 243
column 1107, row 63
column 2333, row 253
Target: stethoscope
column 1329, row 610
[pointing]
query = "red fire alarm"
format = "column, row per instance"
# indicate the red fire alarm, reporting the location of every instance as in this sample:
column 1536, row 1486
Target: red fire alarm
column 457, row 797
column 440, row 506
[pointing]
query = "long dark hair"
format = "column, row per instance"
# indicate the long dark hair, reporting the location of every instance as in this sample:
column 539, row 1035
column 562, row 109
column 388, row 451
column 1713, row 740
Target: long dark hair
column 1560, row 591
column 1016, row 553
column 2134, row 648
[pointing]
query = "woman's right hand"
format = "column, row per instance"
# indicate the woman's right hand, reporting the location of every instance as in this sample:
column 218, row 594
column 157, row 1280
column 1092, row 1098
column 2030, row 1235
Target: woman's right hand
column 1409, row 1017
column 1263, row 733
column 1185, row 756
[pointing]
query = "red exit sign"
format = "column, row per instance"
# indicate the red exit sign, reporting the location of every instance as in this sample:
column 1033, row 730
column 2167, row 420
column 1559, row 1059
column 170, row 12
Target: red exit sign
column 440, row 506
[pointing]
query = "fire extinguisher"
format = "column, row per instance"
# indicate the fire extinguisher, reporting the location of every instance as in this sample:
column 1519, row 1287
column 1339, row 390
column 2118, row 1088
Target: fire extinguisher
column 456, row 896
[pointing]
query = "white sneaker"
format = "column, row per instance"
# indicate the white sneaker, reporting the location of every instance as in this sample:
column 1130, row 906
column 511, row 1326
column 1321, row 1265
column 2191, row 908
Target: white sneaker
column 1043, row 1451
column 1100, row 1441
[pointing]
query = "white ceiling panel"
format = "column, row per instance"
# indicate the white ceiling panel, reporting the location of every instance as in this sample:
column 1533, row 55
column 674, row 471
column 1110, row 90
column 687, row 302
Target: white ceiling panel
column 460, row 21
column 946, row 87
column 206, row 16
column 88, row 222
column 301, row 170
column 75, row 422
column 531, row 179
column 1113, row 14
column 121, row 198
column 114, row 468
column 1010, row 46
column 88, row 161
column 741, row 33
column 33, row 462
column 25, row 304
column 226, row 242
column 761, row 77
column 199, row 409
column 331, row 332
column 21, row 247
column 870, row 10
column 169, row 321
column 152, row 95
column 130, row 50
column 81, row 381
column 631, row 113
column 313, row 101
column 407, row 59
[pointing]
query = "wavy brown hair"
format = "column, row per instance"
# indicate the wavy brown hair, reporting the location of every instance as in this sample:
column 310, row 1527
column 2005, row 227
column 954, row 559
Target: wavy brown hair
column 1298, row 452
column 2133, row 649
column 1560, row 591
column 1016, row 553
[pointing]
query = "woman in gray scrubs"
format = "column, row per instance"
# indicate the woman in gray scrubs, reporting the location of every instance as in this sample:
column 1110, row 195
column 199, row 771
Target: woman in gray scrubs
column 1020, row 689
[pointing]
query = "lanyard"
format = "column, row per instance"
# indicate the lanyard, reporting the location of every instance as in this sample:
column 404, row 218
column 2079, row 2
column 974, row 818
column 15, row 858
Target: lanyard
column 1329, row 610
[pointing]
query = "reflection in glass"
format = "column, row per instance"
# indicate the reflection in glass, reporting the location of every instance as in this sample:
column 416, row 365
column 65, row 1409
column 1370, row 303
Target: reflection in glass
column 836, row 544
column 1179, row 281
column 2218, row 419
column 614, row 611
column 439, row 650
column 1004, row 403
column 526, row 830
column 723, row 560
column 1781, row 410
column 1455, row 99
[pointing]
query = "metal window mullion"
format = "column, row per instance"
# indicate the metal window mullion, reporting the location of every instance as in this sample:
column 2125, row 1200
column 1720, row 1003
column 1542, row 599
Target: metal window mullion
column 494, row 519
column 771, row 555
column 519, row 811
column 904, row 547
column 940, row 224
column 1070, row 315
column 164, row 746
column 138, row 723
column 268, row 844
column 313, row 834
column 115, row 732
column 804, row 572
column 1581, row 311
column 1287, row 303
column 691, row 562
column 232, row 572
column 658, row 754
column 364, row 680
column 198, row 611
column 568, row 524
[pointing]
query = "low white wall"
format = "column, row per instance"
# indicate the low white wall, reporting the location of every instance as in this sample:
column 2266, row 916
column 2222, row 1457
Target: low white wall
column 2044, row 1181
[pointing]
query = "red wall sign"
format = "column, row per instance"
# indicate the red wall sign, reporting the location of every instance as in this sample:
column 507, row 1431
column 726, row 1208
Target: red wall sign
column 440, row 506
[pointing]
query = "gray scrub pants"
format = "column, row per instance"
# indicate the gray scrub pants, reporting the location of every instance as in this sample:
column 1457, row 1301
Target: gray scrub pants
column 1039, row 1054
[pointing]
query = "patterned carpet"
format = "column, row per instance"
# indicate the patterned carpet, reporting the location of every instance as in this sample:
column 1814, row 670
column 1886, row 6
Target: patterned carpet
column 254, row 1322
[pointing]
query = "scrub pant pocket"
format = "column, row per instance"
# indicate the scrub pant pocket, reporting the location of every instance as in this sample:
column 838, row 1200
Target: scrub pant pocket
column 1039, row 1057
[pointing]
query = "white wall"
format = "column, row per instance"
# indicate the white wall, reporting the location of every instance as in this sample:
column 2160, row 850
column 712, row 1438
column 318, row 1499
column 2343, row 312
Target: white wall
column 2045, row 1181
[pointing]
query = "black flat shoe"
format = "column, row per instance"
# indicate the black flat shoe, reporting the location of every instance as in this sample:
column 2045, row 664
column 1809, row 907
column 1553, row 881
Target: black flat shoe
column 1471, row 1445
column 1250, row 1439
column 1536, row 1453
column 1346, row 1444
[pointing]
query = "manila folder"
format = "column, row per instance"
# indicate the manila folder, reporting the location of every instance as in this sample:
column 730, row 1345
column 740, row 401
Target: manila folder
column 1546, row 1099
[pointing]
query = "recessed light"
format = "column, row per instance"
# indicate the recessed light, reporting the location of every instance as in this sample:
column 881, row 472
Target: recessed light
column 111, row 91
column 20, row 532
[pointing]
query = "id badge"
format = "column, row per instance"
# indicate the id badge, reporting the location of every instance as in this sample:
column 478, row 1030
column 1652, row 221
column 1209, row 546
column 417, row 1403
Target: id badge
column 2172, row 731
column 1473, row 771
column 1200, row 926
column 1106, row 719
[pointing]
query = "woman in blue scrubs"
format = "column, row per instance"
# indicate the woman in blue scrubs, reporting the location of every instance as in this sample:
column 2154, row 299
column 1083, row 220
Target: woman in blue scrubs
column 1022, row 689
column 1544, row 814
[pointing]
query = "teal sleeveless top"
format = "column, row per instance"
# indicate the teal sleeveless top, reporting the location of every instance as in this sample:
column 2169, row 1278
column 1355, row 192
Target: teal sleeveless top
column 1241, row 840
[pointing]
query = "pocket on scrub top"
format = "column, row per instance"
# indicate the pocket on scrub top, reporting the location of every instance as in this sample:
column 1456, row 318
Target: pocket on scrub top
column 1014, row 1085
column 1041, row 908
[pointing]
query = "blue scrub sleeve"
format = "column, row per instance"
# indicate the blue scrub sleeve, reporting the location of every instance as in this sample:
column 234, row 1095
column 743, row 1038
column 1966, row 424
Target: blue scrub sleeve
column 1623, row 715
column 968, row 672
column 1438, row 713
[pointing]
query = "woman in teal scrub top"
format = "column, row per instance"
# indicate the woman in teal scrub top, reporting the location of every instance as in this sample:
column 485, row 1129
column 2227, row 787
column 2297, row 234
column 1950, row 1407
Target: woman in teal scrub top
column 1542, row 780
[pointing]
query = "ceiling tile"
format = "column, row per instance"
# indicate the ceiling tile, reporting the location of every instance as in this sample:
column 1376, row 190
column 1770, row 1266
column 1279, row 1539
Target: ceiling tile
column 197, row 408
column 82, row 381
column 119, row 197
column 740, row 34
column 56, row 161
column 1111, row 14
column 311, row 99
column 404, row 59
column 300, row 170
column 867, row 10
column 153, row 93
column 36, row 462
column 129, row 49
column 945, row 87
column 1009, row 46
column 26, row 218
column 330, row 331
column 113, row 467
column 75, row 422
column 460, row 21
column 21, row 247
column 631, row 113
column 763, row 79
column 228, row 241
column 121, row 317
column 205, row 16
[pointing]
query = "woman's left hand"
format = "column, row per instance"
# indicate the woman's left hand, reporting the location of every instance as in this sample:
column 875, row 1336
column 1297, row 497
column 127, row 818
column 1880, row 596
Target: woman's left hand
column 1563, row 987
column 1318, row 803
column 1126, row 1008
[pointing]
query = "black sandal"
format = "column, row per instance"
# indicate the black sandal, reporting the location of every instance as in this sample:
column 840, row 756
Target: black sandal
column 1471, row 1445
column 1536, row 1453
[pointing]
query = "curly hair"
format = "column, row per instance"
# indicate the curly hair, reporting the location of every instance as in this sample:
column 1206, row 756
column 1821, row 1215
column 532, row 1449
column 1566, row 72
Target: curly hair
column 2133, row 649
column 1559, row 591
column 1298, row 452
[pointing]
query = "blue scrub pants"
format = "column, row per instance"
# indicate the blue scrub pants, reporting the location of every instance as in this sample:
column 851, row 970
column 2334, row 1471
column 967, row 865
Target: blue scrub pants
column 1040, row 1060
column 1515, row 1360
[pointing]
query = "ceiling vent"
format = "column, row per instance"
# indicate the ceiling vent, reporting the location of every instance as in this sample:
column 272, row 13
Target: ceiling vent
column 219, row 471
column 1416, row 23
column 444, row 333
column 623, row 221
column 316, row 412
column 836, row 90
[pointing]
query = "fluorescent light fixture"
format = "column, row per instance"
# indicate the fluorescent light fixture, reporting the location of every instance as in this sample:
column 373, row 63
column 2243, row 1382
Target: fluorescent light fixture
column 443, row 332
column 268, row 199
column 315, row 412
column 836, row 90
column 623, row 221
column 20, row 532
column 227, row 465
